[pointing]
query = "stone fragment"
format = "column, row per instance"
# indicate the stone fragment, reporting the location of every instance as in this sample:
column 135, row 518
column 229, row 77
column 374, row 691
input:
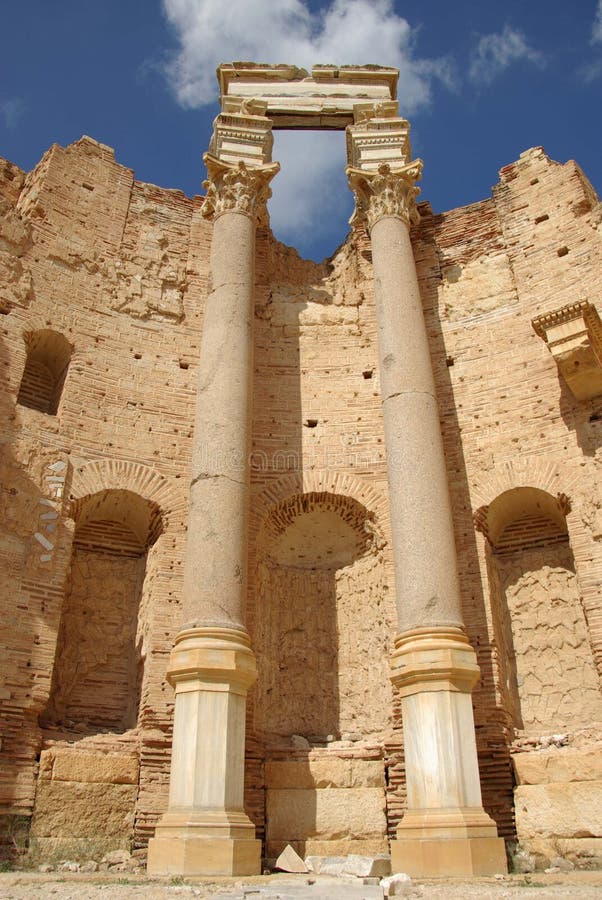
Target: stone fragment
column 89, row 866
column 116, row 857
column 560, row 862
column 289, row 861
column 367, row 866
column 398, row 885
column 68, row 866
column 523, row 862
column 298, row 742
column 326, row 865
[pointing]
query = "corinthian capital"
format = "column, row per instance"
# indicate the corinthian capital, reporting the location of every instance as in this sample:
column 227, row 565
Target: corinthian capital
column 236, row 187
column 385, row 192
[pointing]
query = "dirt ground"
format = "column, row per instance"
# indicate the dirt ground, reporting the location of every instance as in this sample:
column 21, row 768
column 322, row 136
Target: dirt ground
column 75, row 886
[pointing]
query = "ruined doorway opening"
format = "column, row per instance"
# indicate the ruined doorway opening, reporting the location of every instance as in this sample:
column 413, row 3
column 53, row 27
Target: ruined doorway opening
column 547, row 672
column 100, row 652
column 323, row 695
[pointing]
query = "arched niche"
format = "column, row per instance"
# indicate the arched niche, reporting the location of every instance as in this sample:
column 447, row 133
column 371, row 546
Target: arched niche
column 100, row 651
column 548, row 679
column 48, row 357
column 321, row 621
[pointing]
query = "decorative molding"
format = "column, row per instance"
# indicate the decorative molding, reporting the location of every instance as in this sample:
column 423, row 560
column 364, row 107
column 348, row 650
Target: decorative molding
column 234, row 187
column 573, row 335
column 293, row 98
column 243, row 135
column 386, row 192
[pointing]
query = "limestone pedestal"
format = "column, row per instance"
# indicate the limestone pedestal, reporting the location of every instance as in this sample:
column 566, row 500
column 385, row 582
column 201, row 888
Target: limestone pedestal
column 445, row 831
column 205, row 830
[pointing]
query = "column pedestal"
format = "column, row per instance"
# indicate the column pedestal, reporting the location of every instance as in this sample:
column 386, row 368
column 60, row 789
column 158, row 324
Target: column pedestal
column 445, row 830
column 205, row 830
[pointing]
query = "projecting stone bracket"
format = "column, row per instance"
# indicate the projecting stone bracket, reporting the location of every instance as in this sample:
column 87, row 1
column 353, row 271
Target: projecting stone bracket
column 573, row 334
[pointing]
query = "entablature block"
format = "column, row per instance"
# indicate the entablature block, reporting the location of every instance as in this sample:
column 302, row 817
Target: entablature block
column 295, row 99
column 573, row 334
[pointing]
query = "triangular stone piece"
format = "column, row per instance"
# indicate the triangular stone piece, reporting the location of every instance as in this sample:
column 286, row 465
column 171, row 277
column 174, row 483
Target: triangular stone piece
column 289, row 861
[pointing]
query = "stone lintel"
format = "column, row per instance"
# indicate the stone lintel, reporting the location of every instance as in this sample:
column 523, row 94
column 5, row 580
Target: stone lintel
column 293, row 99
column 573, row 334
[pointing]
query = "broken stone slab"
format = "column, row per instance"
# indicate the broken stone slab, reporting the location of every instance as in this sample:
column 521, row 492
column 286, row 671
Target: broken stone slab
column 367, row 866
column 398, row 885
column 326, row 865
column 290, row 861
column 560, row 862
column 116, row 857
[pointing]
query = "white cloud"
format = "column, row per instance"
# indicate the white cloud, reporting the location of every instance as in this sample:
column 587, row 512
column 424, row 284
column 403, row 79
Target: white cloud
column 597, row 26
column 11, row 111
column 496, row 52
column 208, row 32
column 310, row 192
column 344, row 32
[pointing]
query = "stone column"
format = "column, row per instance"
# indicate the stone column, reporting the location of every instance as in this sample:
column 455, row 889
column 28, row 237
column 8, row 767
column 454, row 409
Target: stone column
column 445, row 829
column 205, row 830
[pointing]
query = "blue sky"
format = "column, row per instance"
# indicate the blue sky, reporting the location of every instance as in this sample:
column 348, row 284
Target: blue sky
column 480, row 83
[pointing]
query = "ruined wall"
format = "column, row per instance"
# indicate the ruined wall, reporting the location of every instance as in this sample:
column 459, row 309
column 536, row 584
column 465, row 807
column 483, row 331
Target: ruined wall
column 557, row 683
column 508, row 420
column 119, row 269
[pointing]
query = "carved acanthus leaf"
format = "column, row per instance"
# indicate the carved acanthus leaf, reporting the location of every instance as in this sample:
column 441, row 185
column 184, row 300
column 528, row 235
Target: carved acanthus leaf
column 236, row 187
column 386, row 192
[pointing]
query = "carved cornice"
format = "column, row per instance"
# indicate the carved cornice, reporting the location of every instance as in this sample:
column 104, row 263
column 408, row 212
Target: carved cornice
column 236, row 187
column 385, row 192
column 573, row 335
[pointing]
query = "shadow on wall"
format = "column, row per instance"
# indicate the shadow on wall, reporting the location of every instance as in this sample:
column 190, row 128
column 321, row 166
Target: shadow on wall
column 582, row 417
column 317, row 609
column 492, row 720
column 321, row 641
column 21, row 624
column 98, row 666
column 316, row 557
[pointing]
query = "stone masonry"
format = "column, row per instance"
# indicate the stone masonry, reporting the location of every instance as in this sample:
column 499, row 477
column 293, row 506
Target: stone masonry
column 110, row 292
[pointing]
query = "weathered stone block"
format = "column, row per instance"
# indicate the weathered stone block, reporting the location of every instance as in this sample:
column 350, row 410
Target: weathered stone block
column 562, row 810
column 353, row 813
column 86, row 768
column 325, row 773
column 72, row 811
column 367, row 866
column 558, row 765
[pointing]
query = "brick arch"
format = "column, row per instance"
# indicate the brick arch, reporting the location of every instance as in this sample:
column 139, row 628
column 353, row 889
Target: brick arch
column 526, row 472
column 562, row 483
column 113, row 474
column 318, row 481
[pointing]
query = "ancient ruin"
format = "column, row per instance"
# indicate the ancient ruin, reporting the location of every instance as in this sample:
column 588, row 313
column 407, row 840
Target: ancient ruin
column 293, row 552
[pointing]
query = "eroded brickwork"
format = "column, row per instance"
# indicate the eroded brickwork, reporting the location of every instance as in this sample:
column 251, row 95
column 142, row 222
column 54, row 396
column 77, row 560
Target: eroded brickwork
column 119, row 269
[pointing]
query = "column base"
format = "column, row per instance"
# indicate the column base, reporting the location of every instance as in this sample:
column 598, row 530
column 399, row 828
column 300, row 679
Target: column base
column 426, row 857
column 222, row 843
column 203, row 856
